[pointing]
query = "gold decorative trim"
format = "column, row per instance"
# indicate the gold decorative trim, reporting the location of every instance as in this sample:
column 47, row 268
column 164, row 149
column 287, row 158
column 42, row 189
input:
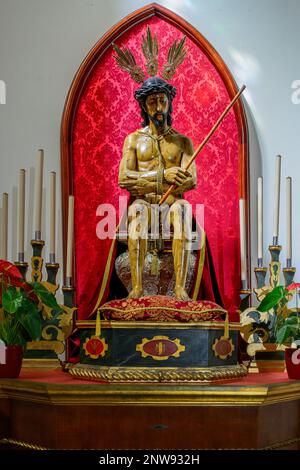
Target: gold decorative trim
column 40, row 363
column 279, row 444
column 152, row 394
column 169, row 309
column 55, row 346
column 276, row 445
column 275, row 247
column 68, row 289
column 24, row 445
column 96, row 339
column 160, row 345
column 217, row 343
column 289, row 270
column 37, row 242
column 246, row 291
column 158, row 374
column 106, row 274
column 200, row 266
column 217, row 325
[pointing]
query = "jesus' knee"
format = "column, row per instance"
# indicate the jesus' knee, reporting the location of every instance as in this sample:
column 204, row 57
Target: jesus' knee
column 138, row 217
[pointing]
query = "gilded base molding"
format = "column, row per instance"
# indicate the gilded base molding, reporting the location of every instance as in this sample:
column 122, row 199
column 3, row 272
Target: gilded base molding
column 23, row 445
column 158, row 374
column 41, row 363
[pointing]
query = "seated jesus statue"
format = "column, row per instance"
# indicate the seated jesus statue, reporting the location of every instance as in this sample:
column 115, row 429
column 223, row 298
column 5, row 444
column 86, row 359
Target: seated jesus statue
column 154, row 158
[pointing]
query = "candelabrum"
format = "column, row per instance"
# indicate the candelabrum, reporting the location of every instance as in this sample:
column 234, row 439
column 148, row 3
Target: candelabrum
column 59, row 324
column 274, row 270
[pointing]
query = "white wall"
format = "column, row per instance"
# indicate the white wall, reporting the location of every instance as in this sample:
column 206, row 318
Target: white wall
column 43, row 42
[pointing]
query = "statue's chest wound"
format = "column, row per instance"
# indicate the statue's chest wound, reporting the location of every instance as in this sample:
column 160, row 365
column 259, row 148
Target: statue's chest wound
column 147, row 150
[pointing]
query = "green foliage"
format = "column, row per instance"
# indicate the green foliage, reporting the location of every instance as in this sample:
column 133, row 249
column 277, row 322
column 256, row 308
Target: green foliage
column 289, row 330
column 12, row 299
column 273, row 298
column 286, row 325
column 46, row 297
column 22, row 307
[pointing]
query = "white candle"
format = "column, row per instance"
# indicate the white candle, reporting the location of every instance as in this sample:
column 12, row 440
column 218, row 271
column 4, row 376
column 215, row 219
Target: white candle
column 52, row 211
column 70, row 237
column 289, row 218
column 243, row 242
column 4, row 226
column 39, row 193
column 277, row 198
column 260, row 218
column 21, row 212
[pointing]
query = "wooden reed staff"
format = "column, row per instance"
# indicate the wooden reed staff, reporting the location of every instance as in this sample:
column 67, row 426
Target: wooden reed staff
column 213, row 129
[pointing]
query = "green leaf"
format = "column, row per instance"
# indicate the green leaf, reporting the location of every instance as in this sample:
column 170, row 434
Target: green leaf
column 10, row 332
column 45, row 296
column 32, row 322
column 12, row 299
column 272, row 299
column 288, row 332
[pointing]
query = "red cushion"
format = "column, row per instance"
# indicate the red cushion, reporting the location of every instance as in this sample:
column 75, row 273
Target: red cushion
column 162, row 308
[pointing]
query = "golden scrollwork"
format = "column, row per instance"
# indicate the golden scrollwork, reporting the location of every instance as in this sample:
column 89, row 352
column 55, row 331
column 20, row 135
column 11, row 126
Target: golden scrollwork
column 47, row 333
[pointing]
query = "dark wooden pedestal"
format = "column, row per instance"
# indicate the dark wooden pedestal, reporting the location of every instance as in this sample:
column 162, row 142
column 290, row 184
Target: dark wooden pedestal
column 50, row 409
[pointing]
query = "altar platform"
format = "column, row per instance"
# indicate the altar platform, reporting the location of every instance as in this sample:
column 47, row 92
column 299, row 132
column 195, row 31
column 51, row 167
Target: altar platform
column 49, row 409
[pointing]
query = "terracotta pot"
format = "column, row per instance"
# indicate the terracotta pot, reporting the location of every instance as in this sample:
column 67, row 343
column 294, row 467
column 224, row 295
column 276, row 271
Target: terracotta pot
column 270, row 361
column 14, row 357
column 292, row 360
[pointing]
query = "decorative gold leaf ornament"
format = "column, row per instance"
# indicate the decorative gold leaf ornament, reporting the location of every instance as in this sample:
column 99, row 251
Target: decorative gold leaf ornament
column 150, row 51
column 176, row 56
column 126, row 61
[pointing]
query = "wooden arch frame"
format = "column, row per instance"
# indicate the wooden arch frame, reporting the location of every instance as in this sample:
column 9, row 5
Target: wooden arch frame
column 86, row 68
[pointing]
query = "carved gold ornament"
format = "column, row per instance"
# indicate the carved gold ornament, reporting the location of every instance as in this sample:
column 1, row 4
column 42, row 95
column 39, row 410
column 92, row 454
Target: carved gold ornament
column 95, row 347
column 160, row 348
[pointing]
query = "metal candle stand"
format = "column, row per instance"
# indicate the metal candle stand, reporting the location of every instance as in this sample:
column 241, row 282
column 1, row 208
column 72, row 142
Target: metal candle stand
column 274, row 270
column 245, row 296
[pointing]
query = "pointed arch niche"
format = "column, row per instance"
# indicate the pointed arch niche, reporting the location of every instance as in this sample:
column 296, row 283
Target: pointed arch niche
column 100, row 111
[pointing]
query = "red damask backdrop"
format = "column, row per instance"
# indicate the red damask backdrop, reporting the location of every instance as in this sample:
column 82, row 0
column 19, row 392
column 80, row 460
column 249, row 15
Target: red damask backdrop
column 107, row 112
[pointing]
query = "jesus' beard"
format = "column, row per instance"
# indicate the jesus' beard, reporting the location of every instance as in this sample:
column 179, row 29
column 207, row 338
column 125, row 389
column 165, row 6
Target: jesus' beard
column 159, row 123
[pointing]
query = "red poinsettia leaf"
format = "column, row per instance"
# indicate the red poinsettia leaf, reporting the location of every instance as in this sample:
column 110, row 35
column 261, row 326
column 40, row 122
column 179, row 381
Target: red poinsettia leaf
column 293, row 286
column 8, row 268
column 13, row 277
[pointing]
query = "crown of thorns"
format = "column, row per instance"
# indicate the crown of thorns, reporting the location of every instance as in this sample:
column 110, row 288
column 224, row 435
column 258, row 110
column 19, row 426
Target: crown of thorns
column 126, row 61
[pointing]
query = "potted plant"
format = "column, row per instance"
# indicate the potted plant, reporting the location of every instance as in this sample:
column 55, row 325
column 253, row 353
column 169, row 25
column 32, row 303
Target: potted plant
column 288, row 333
column 22, row 306
column 266, row 327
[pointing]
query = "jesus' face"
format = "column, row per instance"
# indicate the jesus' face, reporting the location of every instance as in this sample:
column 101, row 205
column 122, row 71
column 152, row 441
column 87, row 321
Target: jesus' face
column 157, row 106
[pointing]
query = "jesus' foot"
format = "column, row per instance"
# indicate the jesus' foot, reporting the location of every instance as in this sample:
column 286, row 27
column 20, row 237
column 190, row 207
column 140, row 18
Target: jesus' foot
column 135, row 293
column 181, row 294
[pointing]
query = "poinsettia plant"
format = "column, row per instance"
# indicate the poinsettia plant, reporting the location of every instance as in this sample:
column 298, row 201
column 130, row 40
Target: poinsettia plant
column 22, row 306
column 286, row 322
